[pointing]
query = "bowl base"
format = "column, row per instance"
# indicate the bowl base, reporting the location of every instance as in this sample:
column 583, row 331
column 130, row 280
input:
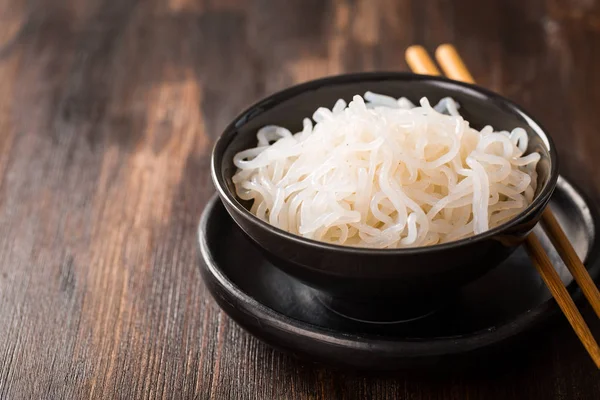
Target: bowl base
column 383, row 311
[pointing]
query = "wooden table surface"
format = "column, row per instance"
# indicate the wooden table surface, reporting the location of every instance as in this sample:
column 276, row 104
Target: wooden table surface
column 108, row 110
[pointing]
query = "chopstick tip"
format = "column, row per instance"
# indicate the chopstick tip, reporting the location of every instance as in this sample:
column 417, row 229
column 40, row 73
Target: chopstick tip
column 445, row 47
column 419, row 61
column 414, row 49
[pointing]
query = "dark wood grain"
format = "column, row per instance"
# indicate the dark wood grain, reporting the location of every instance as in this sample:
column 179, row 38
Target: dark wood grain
column 107, row 113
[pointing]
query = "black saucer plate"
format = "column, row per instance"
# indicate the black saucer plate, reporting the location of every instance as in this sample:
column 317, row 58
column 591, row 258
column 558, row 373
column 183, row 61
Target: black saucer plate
column 484, row 315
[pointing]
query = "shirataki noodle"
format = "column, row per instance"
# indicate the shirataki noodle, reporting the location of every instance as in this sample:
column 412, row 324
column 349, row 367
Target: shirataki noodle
column 380, row 172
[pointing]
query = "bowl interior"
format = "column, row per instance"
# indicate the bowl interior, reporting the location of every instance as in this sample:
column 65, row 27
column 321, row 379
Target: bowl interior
column 287, row 108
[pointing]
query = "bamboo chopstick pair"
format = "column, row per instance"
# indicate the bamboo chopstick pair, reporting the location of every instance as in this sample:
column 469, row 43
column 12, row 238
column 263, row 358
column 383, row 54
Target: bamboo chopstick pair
column 448, row 58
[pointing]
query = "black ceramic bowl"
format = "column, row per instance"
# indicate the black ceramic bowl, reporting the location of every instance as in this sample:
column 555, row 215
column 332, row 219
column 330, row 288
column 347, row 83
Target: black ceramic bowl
column 364, row 279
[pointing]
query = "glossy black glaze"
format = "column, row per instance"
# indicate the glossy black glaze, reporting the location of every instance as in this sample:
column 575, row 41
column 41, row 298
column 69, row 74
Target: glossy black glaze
column 375, row 277
column 478, row 321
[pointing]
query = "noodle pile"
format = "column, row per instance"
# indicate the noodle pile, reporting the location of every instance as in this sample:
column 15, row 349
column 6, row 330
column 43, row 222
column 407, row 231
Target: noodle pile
column 384, row 173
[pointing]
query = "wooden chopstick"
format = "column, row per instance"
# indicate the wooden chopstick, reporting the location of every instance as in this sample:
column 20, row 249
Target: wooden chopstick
column 567, row 253
column 543, row 265
column 454, row 67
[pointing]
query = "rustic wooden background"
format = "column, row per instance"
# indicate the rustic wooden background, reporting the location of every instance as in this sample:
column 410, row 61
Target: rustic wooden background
column 108, row 109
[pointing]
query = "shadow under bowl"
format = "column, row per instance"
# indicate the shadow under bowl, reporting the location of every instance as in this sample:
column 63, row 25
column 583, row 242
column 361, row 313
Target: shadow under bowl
column 368, row 280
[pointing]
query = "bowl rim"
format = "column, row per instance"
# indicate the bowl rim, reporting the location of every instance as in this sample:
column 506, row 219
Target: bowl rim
column 270, row 101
